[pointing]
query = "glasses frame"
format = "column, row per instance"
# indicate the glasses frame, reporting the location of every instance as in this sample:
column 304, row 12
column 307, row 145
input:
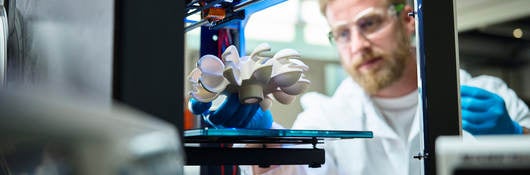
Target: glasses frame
column 396, row 9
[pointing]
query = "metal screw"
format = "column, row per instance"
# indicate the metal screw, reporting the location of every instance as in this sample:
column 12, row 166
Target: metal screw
column 420, row 156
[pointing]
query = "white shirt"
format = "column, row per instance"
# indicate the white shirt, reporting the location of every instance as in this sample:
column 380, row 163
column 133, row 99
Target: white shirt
column 398, row 112
column 387, row 152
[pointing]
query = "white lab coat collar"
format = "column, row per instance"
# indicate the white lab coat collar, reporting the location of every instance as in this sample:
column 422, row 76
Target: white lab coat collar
column 375, row 120
column 380, row 127
column 415, row 130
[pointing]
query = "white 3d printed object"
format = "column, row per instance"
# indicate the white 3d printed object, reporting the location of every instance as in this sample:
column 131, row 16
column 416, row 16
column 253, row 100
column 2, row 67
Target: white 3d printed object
column 256, row 78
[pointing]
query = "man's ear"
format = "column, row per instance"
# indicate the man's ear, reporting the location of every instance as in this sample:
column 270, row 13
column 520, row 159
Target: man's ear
column 408, row 21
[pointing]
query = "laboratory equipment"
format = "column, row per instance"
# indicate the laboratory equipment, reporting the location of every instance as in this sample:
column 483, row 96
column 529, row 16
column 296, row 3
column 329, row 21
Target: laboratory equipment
column 490, row 155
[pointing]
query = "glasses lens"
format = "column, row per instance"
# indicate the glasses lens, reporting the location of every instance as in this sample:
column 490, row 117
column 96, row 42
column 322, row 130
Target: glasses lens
column 341, row 34
column 367, row 24
column 370, row 24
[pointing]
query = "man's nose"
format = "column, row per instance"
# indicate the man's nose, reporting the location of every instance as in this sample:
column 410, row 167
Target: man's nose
column 358, row 41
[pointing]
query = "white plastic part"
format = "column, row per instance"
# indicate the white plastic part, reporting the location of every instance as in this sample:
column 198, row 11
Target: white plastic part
column 212, row 69
column 262, row 73
column 231, row 55
column 256, row 78
column 202, row 95
column 297, row 88
column 263, row 47
column 287, row 78
column 283, row 98
column 295, row 63
column 266, row 103
column 211, row 64
column 213, row 83
column 286, row 54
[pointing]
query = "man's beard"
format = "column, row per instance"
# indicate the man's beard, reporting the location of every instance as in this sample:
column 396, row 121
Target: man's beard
column 390, row 70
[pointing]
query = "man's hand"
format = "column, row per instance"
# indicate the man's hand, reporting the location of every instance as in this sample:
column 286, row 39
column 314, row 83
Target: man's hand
column 484, row 112
column 233, row 114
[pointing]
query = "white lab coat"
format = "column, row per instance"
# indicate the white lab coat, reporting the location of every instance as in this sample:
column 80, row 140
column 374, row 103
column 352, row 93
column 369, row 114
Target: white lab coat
column 352, row 109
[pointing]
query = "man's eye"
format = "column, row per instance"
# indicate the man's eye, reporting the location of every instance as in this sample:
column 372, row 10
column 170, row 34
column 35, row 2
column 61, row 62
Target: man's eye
column 369, row 24
column 343, row 34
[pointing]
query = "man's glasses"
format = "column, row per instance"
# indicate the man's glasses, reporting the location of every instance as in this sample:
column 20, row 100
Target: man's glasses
column 368, row 23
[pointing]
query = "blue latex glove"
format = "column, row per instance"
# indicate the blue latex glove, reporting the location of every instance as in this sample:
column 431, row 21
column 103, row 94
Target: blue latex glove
column 233, row 114
column 484, row 112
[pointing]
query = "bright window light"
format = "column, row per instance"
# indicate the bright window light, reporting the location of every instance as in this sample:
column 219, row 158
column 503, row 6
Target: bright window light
column 276, row 23
column 316, row 27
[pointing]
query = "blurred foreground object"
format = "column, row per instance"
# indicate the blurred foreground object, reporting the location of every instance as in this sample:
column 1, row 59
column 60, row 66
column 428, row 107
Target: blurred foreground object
column 59, row 135
column 488, row 155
